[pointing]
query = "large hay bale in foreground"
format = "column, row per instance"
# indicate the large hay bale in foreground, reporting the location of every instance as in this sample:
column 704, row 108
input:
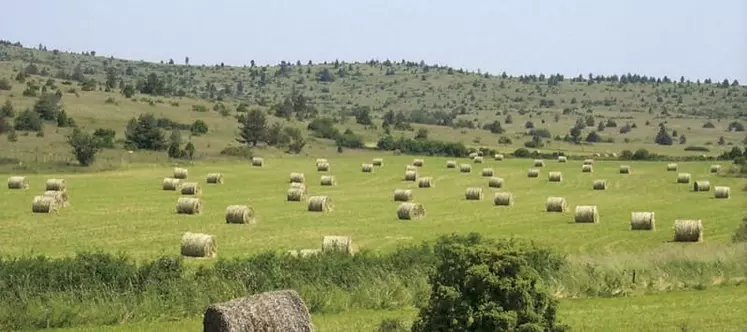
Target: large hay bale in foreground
column 411, row 176
column 683, row 178
column 320, row 204
column 418, row 163
column 328, row 180
column 473, row 194
column 56, row 184
column 18, row 182
column 426, row 182
column 214, row 178
column 60, row 197
column 191, row 188
column 624, row 169
column 539, row 163
column 296, row 177
column 258, row 162
column 410, row 211
column 322, row 167
column 477, row 160
column 240, row 214
column 498, row 157
column 465, row 168
column 188, row 205
column 180, row 173
column 296, row 194
column 587, row 214
column 198, row 245
column 588, row 161
column 672, row 167
column 378, row 162
column 721, row 192
column 487, row 172
column 503, row 199
column 715, row 168
column 495, row 182
column 533, row 173
column 562, row 159
column 367, row 168
column 42, row 204
column 587, row 169
column 402, row 195
column 277, row 311
column 645, row 221
column 688, row 231
column 556, row 204
column 451, row 164
column 599, row 185
column 171, row 184
column 702, row 185
column 343, row 244
column 555, row 177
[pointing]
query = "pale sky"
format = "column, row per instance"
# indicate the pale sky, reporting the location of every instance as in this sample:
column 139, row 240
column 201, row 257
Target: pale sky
column 694, row 38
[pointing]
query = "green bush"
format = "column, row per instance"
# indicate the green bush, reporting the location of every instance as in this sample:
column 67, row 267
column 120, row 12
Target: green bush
column 697, row 148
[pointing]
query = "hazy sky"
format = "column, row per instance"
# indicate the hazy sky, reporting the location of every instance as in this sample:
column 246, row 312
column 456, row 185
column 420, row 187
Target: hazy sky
column 694, row 38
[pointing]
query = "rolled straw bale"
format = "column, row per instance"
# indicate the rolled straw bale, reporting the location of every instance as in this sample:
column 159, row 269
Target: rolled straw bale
column 487, row 172
column 465, row 168
column 683, row 178
column 599, row 185
column 296, row 185
column 624, row 169
column 477, row 160
column 495, row 182
column 322, row 167
column 587, row 214
column 18, row 182
column 587, row 169
column 555, row 176
column 645, row 221
column 588, row 161
column 188, row 205
column 410, row 211
column 171, row 184
column 672, row 167
column 240, row 214
column 688, row 230
column 42, row 204
column 498, row 157
column 296, row 177
column 198, row 245
column 562, row 159
column 214, row 178
column 191, row 188
column 56, row 184
column 274, row 311
column 451, row 164
column 556, row 204
column 410, row 168
column 258, row 162
column 367, row 168
column 296, row 194
column 411, row 176
column 402, row 195
column 180, row 173
column 328, row 180
column 503, row 199
column 320, row 204
column 321, row 161
column 539, row 163
column 304, row 252
column 473, row 194
column 418, row 162
column 702, row 185
column 342, row 244
column 715, row 168
column 473, row 155
column 533, row 173
column 426, row 182
column 60, row 197
column 721, row 192
column 378, row 162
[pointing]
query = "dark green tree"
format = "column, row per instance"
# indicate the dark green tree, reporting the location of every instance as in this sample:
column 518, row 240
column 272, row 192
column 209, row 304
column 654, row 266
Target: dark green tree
column 47, row 106
column 7, row 110
column 189, row 150
column 662, row 137
column 143, row 133
column 252, row 127
column 28, row 121
column 175, row 144
column 84, row 146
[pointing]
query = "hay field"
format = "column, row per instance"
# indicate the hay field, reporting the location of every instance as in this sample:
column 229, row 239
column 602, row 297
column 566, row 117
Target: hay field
column 127, row 210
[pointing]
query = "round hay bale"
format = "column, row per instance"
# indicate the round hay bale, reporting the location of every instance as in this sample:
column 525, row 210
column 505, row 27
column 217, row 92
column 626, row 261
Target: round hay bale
column 556, row 204
column 715, row 168
column 451, row 164
column 473, row 155
column 426, row 182
column 599, row 185
column 410, row 168
column 367, row 168
column 688, row 230
column 683, row 178
column 304, row 252
column 296, row 194
column 188, row 205
column 56, row 184
column 198, row 245
column 402, row 195
column 410, row 211
column 258, row 162
column 191, row 188
column 42, row 204
column 587, row 214
column 539, row 163
column 702, row 185
column 214, row 178
column 378, row 162
column 321, row 161
column 477, row 160
column 296, row 185
column 180, row 173
column 495, row 182
column 240, row 214
column 418, row 162
column 503, row 199
column 587, row 169
column 721, row 192
column 320, row 204
column 282, row 310
column 411, row 176
column 555, row 176
column 473, row 194
column 322, row 167
column 171, row 184
column 672, row 167
column 328, row 180
column 533, row 173
column 18, row 182
column 562, row 159
column 296, row 177
column 624, row 169
column 487, row 172
column 60, row 197
column 465, row 168
column 498, row 157
column 342, row 244
column 645, row 221
column 588, row 161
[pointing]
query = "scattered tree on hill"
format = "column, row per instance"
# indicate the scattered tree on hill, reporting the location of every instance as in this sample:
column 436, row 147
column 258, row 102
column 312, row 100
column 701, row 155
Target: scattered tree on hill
column 7, row 110
column 105, row 137
column 721, row 141
column 708, row 125
column 28, row 121
column 601, row 126
column 509, row 119
column 63, row 120
column 5, row 84
column 252, row 127
column 84, row 146
column 593, row 137
column 363, row 115
column 662, row 137
column 47, row 106
column 736, row 126
column 683, row 139
column 494, row 127
column 175, row 144
column 143, row 133
column 198, row 128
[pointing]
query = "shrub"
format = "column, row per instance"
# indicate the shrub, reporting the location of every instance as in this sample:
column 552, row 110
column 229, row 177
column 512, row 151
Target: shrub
column 521, row 153
column 708, row 125
column 28, row 121
column 238, row 151
column 199, row 108
column 5, row 84
column 84, row 146
column 422, row 146
column 697, row 148
column 105, row 137
column 504, row 140
column 641, row 154
column 198, row 128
